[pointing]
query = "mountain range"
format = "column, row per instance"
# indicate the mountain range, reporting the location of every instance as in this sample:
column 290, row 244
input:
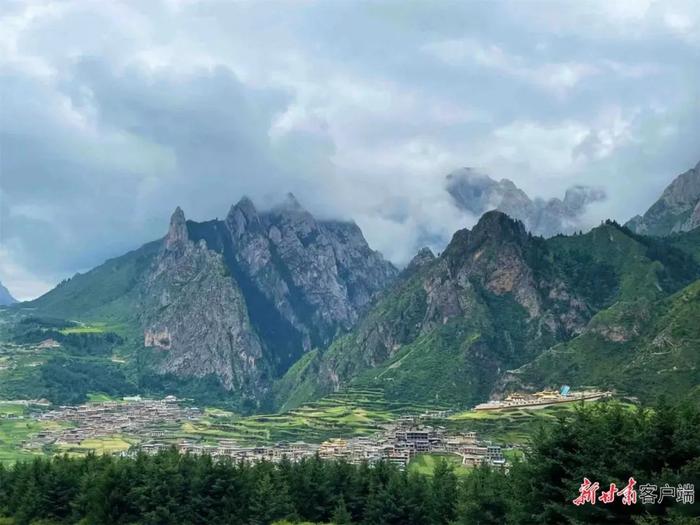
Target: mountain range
column 239, row 300
column 269, row 309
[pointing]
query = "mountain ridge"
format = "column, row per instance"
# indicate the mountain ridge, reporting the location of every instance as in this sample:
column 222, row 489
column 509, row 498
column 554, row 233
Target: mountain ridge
column 272, row 308
column 677, row 210
column 239, row 300
column 497, row 298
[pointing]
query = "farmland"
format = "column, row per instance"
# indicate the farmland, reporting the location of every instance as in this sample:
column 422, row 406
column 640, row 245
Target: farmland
column 349, row 413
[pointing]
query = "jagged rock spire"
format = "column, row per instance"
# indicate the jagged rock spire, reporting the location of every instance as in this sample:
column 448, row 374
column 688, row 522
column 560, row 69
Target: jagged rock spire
column 244, row 206
column 177, row 233
column 242, row 215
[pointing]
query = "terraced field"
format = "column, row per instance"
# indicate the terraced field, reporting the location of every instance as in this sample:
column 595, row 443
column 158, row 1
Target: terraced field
column 100, row 445
column 354, row 412
column 515, row 426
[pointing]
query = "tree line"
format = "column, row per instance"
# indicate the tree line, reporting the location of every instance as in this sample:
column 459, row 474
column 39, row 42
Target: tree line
column 605, row 442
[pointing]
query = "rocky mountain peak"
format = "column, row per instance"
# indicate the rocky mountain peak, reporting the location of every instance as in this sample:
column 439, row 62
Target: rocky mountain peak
column 423, row 259
column 495, row 238
column 245, row 206
column 424, row 256
column 177, row 233
column 496, row 226
column 677, row 210
column 289, row 204
column 241, row 216
column 288, row 281
column 684, row 190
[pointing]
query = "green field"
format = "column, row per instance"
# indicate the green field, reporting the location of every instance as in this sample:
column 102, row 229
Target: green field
column 14, row 431
column 515, row 426
column 101, row 445
column 425, row 464
column 16, row 426
column 355, row 412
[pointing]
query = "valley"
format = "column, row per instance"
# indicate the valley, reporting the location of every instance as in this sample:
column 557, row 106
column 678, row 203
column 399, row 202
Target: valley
column 356, row 424
column 272, row 340
column 224, row 317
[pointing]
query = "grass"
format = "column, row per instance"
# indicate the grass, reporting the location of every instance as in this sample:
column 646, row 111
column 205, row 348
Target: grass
column 99, row 397
column 425, row 464
column 85, row 329
column 353, row 412
column 12, row 409
column 515, row 426
column 12, row 434
column 101, row 445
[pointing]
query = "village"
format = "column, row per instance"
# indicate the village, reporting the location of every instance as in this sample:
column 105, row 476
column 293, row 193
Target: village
column 398, row 443
column 154, row 426
column 542, row 398
column 143, row 418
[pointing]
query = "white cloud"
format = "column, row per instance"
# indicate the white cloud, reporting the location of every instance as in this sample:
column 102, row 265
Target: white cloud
column 116, row 112
column 556, row 77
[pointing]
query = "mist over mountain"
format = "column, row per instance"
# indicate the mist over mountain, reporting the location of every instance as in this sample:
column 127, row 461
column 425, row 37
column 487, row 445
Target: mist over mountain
column 477, row 193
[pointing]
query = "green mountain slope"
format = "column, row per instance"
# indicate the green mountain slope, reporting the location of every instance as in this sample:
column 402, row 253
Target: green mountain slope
column 495, row 300
column 640, row 350
column 108, row 292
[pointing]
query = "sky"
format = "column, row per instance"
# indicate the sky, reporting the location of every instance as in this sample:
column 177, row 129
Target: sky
column 114, row 113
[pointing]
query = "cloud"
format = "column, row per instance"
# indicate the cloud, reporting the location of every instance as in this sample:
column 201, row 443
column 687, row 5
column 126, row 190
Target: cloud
column 113, row 114
column 556, row 77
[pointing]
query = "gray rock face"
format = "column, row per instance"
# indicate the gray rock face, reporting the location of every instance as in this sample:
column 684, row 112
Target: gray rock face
column 195, row 315
column 677, row 210
column 244, row 298
column 6, row 298
column 500, row 256
column 320, row 275
column 477, row 193
column 423, row 258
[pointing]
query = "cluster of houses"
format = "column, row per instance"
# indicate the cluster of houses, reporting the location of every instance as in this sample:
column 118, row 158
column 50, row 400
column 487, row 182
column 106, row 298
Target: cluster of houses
column 230, row 449
column 401, row 442
column 398, row 444
column 140, row 417
column 149, row 420
column 542, row 399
